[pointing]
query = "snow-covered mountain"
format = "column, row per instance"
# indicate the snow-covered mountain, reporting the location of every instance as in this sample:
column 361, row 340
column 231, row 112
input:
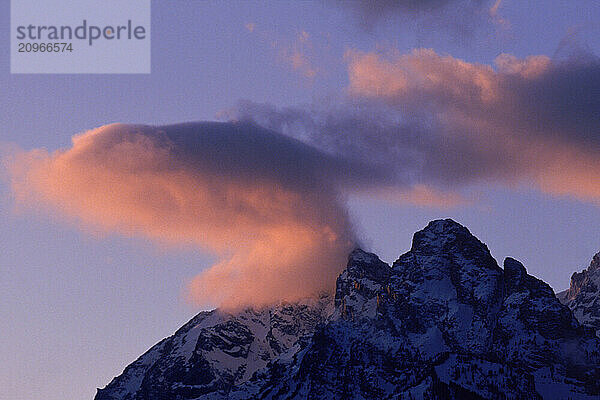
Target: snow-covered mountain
column 442, row 322
column 217, row 350
column 583, row 296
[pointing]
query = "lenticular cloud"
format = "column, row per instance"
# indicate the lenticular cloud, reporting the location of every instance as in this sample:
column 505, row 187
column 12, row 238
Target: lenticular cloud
column 266, row 204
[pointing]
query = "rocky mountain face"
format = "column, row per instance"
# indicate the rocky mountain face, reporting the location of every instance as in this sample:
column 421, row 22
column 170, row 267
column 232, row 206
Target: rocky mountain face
column 583, row 296
column 217, row 350
column 442, row 322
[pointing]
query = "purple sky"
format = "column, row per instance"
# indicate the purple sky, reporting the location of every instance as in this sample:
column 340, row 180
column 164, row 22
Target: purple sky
column 77, row 308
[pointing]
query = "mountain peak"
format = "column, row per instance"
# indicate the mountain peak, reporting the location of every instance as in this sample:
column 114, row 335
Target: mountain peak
column 585, row 281
column 365, row 264
column 359, row 255
column 444, row 224
column 446, row 236
column 583, row 295
column 444, row 322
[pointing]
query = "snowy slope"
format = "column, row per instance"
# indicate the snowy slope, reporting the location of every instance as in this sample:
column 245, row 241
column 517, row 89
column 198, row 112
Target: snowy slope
column 215, row 351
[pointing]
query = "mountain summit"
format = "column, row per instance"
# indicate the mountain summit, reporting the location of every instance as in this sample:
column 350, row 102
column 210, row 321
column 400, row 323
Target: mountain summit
column 444, row 321
column 583, row 296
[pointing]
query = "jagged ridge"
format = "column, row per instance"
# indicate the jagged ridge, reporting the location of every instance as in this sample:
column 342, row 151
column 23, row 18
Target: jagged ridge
column 583, row 295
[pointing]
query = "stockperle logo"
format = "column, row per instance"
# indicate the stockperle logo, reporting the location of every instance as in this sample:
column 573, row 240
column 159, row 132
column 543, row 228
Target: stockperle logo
column 86, row 36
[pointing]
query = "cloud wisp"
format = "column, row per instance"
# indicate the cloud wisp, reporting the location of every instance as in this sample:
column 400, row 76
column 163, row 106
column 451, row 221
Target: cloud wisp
column 267, row 205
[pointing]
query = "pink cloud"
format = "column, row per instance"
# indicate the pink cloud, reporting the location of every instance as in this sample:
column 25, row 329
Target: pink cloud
column 236, row 190
column 533, row 115
column 299, row 54
column 423, row 196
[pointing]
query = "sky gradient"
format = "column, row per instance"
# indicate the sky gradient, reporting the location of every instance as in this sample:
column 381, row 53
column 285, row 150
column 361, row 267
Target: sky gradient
column 80, row 303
